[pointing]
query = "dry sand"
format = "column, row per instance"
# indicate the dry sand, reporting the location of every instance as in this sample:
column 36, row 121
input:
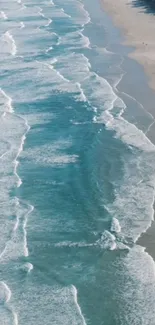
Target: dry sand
column 139, row 31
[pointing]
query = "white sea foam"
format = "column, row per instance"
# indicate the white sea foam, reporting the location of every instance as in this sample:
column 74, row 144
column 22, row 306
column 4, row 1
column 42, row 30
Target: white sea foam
column 74, row 67
column 61, row 301
column 48, row 22
column 17, row 217
column 101, row 95
column 115, row 225
column 15, row 316
column 49, row 49
column 134, row 198
column 74, row 244
column 17, row 246
column 39, row 118
column 5, row 296
column 28, row 266
column 83, row 97
column 75, row 40
column 8, row 104
column 22, row 25
column 78, row 13
column 3, row 15
column 86, row 14
column 129, row 133
column 15, row 137
column 53, row 154
column 51, row 67
column 40, row 12
column 55, row 12
column 31, row 208
column 65, row 13
column 19, row 181
column 5, row 292
column 107, row 241
column 85, row 38
column 11, row 42
column 75, row 293
column 140, row 268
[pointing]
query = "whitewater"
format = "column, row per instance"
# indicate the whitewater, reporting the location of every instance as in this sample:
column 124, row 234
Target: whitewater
column 76, row 171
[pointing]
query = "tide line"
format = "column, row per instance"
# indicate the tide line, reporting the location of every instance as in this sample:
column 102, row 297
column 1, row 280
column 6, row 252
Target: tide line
column 75, row 294
column 26, row 252
column 16, row 162
column 8, row 295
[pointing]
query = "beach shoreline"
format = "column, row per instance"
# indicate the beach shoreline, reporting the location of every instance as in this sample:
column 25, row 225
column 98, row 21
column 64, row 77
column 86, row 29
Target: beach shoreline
column 138, row 30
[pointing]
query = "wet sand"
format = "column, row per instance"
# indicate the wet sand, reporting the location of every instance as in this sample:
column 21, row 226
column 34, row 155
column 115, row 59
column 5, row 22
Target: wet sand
column 138, row 25
column 148, row 240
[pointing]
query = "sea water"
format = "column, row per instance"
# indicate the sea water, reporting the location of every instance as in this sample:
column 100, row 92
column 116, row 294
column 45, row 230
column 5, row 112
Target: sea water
column 77, row 172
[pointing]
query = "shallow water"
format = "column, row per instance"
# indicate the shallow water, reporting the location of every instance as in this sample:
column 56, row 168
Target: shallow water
column 77, row 172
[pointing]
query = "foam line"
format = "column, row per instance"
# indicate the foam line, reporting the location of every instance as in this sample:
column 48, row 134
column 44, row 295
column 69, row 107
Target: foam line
column 127, row 95
column 8, row 104
column 3, row 15
column 84, row 98
column 149, row 128
column 16, row 162
column 8, row 295
column 141, row 106
column 144, row 143
column 15, row 228
column 115, row 225
column 49, row 22
column 3, row 252
column 19, row 181
column 87, row 43
column 4, row 154
column 51, row 67
column 15, row 316
column 29, row 267
column 40, row 12
column 7, row 291
column 62, row 10
column 26, row 253
column 87, row 15
column 17, row 217
column 75, row 294
column 49, row 49
column 10, row 40
column 22, row 25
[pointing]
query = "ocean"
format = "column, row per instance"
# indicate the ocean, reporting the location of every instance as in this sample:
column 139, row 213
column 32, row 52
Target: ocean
column 77, row 171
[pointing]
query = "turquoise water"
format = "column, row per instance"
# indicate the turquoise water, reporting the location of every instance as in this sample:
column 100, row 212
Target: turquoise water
column 77, row 171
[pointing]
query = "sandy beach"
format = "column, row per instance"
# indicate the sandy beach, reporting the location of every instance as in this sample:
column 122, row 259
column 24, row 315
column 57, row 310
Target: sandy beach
column 137, row 21
column 138, row 24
